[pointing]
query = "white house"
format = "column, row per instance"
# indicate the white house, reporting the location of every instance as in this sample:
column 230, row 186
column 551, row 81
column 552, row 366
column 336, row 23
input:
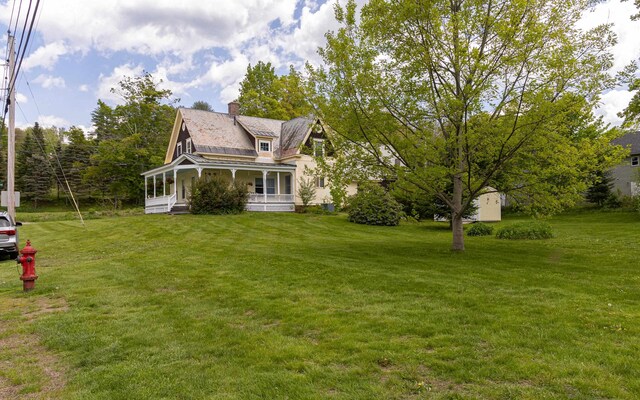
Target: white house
column 267, row 155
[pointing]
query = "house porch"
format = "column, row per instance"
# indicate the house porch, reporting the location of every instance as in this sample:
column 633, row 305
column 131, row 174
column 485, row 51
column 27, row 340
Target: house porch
column 271, row 186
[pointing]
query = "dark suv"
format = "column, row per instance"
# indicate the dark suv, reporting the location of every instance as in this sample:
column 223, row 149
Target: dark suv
column 8, row 235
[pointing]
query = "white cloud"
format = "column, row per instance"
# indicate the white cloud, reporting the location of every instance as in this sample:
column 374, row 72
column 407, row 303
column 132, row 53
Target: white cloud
column 305, row 39
column 21, row 98
column 48, row 81
column 107, row 82
column 52, row 120
column 617, row 13
column 613, row 102
column 46, row 56
column 157, row 27
column 83, row 88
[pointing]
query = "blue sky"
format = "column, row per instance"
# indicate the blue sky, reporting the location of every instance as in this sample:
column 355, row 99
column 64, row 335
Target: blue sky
column 200, row 49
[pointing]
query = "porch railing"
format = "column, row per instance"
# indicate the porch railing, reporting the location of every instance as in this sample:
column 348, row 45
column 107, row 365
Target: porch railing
column 271, row 198
column 173, row 199
column 160, row 204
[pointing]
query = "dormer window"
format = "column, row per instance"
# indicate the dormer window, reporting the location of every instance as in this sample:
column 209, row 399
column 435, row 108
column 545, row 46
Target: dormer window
column 264, row 146
column 635, row 161
column 318, row 147
column 188, row 142
column 179, row 149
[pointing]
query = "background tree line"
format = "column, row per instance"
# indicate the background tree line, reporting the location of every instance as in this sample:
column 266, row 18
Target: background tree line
column 103, row 165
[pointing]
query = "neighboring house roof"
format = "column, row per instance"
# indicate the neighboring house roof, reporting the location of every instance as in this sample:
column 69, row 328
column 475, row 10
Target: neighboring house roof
column 630, row 141
column 226, row 134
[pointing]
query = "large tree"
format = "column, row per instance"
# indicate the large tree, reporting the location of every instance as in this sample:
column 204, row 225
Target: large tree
column 450, row 97
column 265, row 94
column 132, row 137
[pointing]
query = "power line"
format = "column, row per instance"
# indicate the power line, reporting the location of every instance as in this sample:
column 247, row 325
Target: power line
column 24, row 49
column 15, row 26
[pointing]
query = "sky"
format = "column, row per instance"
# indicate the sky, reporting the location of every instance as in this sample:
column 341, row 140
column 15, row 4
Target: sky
column 200, row 49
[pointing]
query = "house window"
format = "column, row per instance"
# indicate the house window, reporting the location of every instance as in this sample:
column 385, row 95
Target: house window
column 178, row 149
column 189, row 145
column 318, row 147
column 265, row 145
column 635, row 161
column 184, row 190
column 271, row 186
column 320, row 182
column 287, row 184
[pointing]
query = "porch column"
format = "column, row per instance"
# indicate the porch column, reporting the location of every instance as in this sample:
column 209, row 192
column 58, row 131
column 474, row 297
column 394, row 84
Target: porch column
column 175, row 183
column 145, row 188
column 278, row 190
column 164, row 184
column 154, row 185
column 199, row 172
column 264, row 185
column 293, row 186
column 233, row 175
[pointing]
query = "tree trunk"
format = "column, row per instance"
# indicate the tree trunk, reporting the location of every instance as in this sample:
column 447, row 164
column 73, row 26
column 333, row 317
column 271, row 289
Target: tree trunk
column 458, row 233
column 456, row 214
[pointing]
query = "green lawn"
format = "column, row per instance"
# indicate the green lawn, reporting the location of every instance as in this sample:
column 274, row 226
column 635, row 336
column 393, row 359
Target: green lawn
column 290, row 306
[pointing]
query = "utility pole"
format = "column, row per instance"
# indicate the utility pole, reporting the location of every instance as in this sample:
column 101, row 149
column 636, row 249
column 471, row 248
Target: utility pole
column 11, row 142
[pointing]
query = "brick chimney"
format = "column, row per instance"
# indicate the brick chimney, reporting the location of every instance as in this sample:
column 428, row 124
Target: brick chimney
column 234, row 108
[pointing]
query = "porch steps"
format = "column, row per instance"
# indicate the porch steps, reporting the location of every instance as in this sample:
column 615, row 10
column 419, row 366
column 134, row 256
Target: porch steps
column 179, row 210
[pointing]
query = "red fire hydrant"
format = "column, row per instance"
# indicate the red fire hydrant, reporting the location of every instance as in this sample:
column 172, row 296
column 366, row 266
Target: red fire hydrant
column 28, row 261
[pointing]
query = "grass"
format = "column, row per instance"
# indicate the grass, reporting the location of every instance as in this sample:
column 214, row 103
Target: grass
column 275, row 306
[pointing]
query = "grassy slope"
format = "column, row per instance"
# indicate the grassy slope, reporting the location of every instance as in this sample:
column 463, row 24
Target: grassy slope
column 264, row 306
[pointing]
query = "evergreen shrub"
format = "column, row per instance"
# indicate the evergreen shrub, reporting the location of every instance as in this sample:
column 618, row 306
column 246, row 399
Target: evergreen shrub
column 373, row 205
column 525, row 230
column 217, row 196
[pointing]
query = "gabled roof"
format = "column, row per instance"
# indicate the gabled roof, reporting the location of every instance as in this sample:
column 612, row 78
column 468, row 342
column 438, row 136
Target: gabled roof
column 225, row 134
column 293, row 135
column 630, row 141
column 260, row 127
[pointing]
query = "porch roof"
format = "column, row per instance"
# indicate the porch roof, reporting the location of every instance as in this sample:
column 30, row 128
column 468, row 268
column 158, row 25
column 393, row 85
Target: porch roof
column 186, row 161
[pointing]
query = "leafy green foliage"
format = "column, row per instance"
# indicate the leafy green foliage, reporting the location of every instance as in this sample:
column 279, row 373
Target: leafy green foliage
column 465, row 95
column 306, row 190
column 525, row 230
column 631, row 114
column 373, row 205
column 264, row 94
column 217, row 196
column 480, row 229
column 132, row 137
column 202, row 105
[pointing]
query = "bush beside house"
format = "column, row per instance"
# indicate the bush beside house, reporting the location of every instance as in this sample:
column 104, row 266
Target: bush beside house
column 373, row 205
column 216, row 196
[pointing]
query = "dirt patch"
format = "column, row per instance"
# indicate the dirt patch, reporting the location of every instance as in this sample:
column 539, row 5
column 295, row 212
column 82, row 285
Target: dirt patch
column 28, row 370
